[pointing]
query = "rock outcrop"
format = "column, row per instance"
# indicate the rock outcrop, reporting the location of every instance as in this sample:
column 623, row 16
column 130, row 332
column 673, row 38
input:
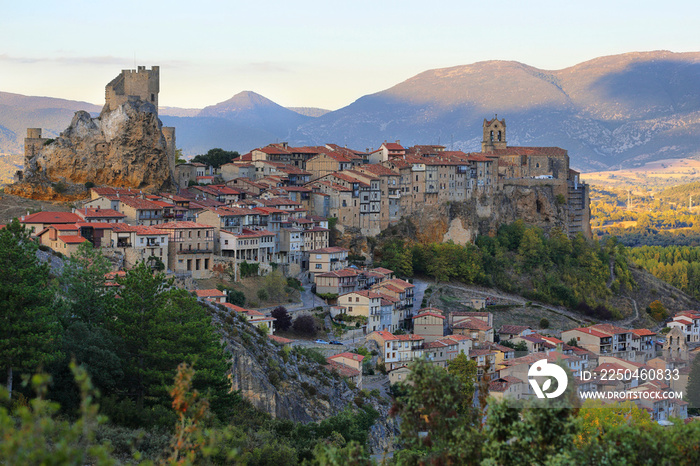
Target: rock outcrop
column 462, row 222
column 124, row 147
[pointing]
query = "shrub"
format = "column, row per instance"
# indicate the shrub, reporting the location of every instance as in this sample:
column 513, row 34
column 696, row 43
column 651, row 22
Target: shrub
column 284, row 320
column 561, row 199
column 262, row 294
column 89, row 184
column 544, row 323
column 304, row 325
column 235, row 297
column 59, row 187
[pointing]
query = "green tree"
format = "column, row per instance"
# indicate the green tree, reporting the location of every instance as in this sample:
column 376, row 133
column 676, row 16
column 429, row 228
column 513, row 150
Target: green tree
column 432, row 429
column 179, row 157
column 29, row 328
column 83, row 280
column 216, row 157
column 465, row 370
column 275, row 283
column 159, row 327
column 693, row 388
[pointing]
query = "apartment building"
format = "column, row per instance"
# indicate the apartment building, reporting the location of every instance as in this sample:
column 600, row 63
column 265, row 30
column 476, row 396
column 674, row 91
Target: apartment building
column 190, row 248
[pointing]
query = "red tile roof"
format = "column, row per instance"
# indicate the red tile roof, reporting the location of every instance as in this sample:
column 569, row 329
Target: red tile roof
column 211, row 293
column 50, row 217
column 99, row 213
column 72, row 239
column 348, row 355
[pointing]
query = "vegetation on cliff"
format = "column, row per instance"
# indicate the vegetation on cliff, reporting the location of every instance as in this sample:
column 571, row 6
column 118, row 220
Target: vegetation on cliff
column 126, row 343
column 521, row 259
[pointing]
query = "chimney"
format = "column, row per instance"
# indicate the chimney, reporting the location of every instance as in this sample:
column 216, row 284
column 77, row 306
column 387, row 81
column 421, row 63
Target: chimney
column 398, row 142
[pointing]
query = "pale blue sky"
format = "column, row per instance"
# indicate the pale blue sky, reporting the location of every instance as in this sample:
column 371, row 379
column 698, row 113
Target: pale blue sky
column 312, row 53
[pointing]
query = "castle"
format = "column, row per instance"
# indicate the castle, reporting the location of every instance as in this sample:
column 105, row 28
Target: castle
column 108, row 149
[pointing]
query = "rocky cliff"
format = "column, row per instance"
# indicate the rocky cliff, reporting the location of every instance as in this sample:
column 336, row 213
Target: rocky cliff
column 462, row 222
column 123, row 147
column 288, row 385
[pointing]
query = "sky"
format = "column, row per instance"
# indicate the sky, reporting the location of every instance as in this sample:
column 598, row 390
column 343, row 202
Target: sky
column 308, row 53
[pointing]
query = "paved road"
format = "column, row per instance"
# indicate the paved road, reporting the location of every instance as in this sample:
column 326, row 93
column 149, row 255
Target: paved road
column 419, row 292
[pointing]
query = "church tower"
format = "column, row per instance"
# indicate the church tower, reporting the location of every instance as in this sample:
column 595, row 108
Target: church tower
column 494, row 134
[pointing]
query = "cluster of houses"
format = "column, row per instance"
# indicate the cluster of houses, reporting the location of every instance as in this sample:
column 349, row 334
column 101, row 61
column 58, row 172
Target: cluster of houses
column 372, row 189
column 591, row 353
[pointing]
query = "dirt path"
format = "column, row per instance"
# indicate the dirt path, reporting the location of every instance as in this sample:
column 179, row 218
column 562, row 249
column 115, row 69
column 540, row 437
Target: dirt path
column 631, row 319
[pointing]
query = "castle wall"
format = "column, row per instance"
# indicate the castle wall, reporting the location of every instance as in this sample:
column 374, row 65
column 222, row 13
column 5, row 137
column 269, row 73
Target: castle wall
column 142, row 83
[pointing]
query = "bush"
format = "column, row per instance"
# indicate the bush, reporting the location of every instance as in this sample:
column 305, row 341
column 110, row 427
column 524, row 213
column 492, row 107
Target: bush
column 284, row 320
column 305, row 326
column 89, row 184
column 235, row 297
column 544, row 323
column 262, row 294
column 59, row 187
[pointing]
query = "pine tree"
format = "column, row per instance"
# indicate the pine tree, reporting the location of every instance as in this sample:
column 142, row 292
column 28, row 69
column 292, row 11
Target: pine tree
column 29, row 328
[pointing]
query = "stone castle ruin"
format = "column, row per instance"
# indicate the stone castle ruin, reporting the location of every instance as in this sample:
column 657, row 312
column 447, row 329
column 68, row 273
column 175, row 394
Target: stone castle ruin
column 125, row 146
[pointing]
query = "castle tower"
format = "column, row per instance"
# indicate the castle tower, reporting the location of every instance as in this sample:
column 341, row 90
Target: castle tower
column 494, row 134
column 141, row 83
column 33, row 144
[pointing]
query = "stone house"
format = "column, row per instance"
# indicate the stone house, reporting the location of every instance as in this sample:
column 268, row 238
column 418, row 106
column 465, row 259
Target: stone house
column 190, row 248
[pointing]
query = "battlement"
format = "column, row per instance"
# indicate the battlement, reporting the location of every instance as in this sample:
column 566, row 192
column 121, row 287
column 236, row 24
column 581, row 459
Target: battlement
column 140, row 83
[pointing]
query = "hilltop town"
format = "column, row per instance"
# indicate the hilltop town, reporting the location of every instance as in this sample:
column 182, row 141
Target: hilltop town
column 276, row 206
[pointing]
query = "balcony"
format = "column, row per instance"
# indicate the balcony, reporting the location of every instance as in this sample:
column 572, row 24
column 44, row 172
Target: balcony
column 195, row 251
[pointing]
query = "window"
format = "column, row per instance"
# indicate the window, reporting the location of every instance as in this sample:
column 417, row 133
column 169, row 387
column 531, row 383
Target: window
column 206, row 264
column 318, row 266
column 197, row 263
column 189, row 264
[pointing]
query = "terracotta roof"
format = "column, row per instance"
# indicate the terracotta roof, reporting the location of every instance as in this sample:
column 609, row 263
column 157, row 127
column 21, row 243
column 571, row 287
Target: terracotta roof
column 211, row 293
column 589, row 331
column 501, row 384
column 348, row 355
column 382, row 270
column 513, row 329
column 72, row 239
column 50, row 217
column 393, row 146
column 148, row 230
column 476, row 324
column 642, row 332
column 89, row 213
column 140, row 204
column 280, row 340
column 342, row 369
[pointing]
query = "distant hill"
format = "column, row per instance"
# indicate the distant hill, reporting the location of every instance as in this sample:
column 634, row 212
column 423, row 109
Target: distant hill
column 19, row 112
column 623, row 109
column 253, row 110
column 309, row 111
column 618, row 110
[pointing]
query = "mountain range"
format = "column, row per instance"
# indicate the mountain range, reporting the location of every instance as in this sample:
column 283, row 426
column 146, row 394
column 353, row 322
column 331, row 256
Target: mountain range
column 617, row 110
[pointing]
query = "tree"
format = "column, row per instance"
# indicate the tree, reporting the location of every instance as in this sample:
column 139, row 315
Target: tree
column 179, row 158
column 693, row 388
column 465, row 370
column 432, row 429
column 29, row 327
column 657, row 311
column 159, row 328
column 275, row 283
column 216, row 157
column 284, row 320
column 83, row 280
column 544, row 322
column 596, row 418
column 304, row 325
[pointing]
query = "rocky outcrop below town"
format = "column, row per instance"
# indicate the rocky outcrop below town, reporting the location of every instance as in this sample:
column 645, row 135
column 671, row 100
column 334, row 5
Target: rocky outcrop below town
column 288, row 385
column 461, row 222
column 124, row 147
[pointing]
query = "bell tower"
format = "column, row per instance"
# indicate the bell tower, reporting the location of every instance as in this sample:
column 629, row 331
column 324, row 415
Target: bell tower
column 494, row 134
